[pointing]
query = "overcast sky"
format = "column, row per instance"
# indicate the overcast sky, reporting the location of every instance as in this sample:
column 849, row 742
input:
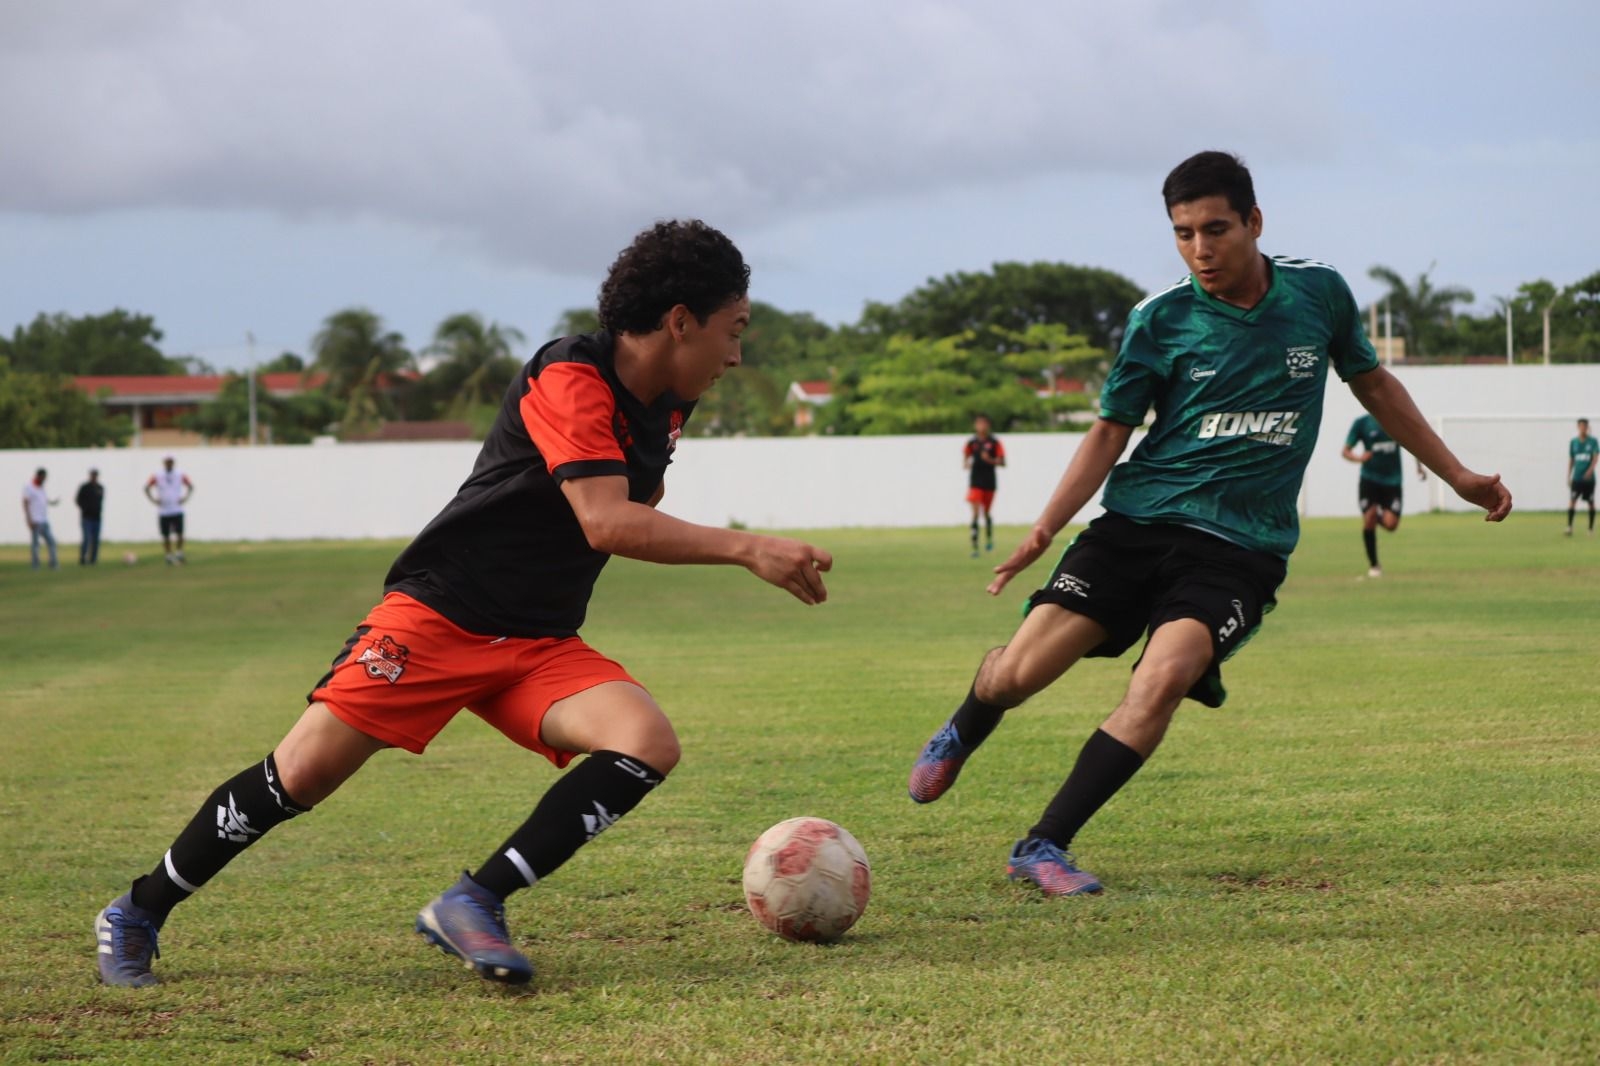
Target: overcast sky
column 252, row 168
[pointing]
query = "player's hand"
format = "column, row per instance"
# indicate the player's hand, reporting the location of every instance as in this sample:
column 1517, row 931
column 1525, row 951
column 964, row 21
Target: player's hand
column 1487, row 492
column 792, row 565
column 1032, row 546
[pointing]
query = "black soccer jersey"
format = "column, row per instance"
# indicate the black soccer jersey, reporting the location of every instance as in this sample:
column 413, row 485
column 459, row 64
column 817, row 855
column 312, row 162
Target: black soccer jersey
column 985, row 455
column 507, row 556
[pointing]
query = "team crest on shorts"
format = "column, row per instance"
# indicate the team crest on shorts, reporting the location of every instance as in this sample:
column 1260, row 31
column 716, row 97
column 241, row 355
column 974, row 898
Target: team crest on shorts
column 385, row 659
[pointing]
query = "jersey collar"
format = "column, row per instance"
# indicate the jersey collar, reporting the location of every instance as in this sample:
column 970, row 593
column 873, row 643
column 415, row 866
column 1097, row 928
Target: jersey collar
column 1243, row 314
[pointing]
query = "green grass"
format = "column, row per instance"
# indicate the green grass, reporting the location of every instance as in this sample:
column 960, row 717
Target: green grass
column 1383, row 849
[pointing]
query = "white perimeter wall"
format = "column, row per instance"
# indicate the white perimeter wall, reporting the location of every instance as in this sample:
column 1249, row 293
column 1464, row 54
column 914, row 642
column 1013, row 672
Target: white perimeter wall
column 392, row 490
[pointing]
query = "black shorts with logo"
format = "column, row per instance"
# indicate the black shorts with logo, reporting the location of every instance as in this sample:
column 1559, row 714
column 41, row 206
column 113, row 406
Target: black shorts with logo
column 1375, row 494
column 1583, row 489
column 1132, row 577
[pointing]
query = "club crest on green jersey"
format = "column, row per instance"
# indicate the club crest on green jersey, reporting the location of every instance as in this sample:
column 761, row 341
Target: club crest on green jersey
column 1302, row 360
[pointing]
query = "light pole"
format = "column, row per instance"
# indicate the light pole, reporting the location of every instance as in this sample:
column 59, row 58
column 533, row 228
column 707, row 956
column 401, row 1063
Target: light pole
column 250, row 339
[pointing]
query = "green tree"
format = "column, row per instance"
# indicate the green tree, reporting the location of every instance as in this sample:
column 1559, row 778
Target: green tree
column 117, row 342
column 994, row 307
column 936, row 386
column 47, row 411
column 1576, row 333
column 476, row 362
column 1423, row 314
column 363, row 362
column 292, row 419
column 575, row 320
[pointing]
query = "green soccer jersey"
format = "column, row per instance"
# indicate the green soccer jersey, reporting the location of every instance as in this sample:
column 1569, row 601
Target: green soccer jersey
column 1384, row 466
column 1583, row 451
column 1238, row 401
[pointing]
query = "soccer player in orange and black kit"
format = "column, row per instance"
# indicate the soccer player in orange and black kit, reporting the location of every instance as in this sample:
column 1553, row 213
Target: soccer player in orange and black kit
column 482, row 610
column 982, row 454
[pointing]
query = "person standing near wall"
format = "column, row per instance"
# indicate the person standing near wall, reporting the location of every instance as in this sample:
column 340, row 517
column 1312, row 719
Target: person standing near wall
column 169, row 489
column 982, row 455
column 36, row 510
column 91, row 496
column 1582, row 453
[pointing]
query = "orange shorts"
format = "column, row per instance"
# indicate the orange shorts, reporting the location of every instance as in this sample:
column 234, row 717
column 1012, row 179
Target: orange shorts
column 407, row 670
column 982, row 497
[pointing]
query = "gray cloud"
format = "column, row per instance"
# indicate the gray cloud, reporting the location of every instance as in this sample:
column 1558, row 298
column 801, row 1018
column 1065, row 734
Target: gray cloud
column 543, row 133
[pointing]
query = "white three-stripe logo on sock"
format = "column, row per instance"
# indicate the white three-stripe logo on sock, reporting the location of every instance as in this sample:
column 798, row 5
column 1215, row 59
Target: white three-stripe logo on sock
column 233, row 824
column 598, row 822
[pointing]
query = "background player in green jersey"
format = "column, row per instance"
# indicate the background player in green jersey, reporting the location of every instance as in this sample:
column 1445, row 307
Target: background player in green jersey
column 1582, row 453
column 1201, row 518
column 1380, row 487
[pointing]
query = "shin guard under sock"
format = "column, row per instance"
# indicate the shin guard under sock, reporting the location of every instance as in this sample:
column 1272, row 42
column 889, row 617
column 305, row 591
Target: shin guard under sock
column 578, row 808
column 235, row 816
column 1104, row 765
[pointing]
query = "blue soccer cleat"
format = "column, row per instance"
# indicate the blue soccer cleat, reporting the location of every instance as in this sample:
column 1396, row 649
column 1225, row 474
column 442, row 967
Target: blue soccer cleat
column 126, row 937
column 939, row 764
column 469, row 923
column 1038, row 860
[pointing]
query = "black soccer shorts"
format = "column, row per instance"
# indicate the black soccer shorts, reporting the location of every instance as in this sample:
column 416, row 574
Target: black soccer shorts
column 1583, row 489
column 1383, row 497
column 1132, row 577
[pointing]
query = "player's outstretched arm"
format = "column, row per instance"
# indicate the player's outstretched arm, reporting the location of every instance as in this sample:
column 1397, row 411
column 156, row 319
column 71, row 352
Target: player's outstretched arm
column 617, row 525
column 1381, row 393
column 1101, row 448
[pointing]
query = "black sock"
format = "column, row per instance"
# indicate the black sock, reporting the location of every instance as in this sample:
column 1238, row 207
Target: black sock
column 975, row 720
column 1369, row 537
column 1571, row 513
column 235, row 816
column 1591, row 520
column 1104, row 765
column 988, row 527
column 974, row 533
column 578, row 807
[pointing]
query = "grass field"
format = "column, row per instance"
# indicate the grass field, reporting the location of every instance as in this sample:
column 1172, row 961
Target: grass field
column 1385, row 848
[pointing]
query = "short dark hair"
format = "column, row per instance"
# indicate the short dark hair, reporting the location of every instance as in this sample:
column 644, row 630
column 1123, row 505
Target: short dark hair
column 1211, row 174
column 39, row 472
column 671, row 263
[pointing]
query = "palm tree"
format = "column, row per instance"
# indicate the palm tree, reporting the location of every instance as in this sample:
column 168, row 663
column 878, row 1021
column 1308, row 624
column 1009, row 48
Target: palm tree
column 361, row 360
column 477, row 363
column 1420, row 309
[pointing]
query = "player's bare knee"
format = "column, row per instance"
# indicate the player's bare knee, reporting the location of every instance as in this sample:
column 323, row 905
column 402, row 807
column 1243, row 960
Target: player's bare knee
column 1002, row 679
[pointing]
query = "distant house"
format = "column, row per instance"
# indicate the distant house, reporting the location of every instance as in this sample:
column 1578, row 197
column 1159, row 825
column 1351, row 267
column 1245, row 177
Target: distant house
column 807, row 396
column 155, row 402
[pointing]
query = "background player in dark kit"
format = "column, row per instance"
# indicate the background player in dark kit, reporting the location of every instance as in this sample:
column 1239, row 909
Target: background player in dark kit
column 982, row 454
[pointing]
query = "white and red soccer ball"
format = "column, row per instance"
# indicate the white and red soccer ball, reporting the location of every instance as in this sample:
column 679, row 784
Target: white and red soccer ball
column 807, row 879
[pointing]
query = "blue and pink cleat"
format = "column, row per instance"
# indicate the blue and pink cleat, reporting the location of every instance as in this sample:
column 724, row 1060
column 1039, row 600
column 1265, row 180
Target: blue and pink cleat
column 939, row 764
column 1040, row 861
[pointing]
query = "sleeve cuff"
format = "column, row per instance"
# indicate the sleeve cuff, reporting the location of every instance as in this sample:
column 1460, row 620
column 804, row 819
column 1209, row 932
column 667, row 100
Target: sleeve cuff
column 589, row 468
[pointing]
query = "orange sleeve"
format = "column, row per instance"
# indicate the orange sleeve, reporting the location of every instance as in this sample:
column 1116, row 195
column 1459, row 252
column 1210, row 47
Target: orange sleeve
column 568, row 413
column 999, row 449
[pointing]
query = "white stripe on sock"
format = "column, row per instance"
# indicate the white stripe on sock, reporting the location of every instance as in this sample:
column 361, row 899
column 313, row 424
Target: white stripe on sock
column 177, row 878
column 522, row 865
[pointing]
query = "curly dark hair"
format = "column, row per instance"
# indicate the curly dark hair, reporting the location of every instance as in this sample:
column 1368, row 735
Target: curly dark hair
column 1211, row 174
column 671, row 263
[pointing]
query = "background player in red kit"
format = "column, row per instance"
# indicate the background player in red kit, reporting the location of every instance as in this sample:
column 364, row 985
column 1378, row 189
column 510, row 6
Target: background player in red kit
column 482, row 610
column 982, row 454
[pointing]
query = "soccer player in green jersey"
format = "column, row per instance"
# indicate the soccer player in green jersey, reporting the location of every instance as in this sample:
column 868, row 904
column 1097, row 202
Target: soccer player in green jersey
column 1582, row 453
column 1379, row 491
column 1201, row 518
